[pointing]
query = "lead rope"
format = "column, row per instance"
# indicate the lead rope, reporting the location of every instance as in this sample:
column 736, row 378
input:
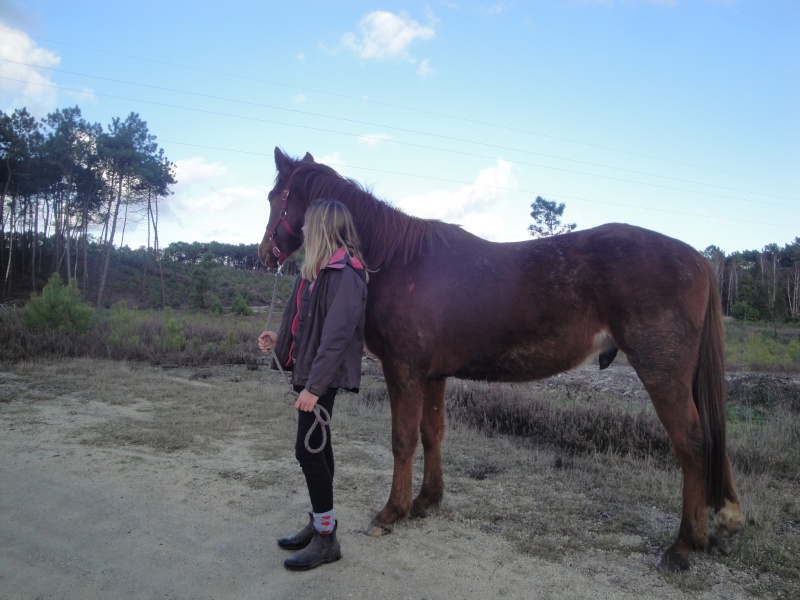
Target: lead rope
column 322, row 417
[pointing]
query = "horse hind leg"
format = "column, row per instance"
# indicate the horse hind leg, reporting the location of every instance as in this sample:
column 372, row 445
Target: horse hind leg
column 432, row 429
column 730, row 517
column 676, row 410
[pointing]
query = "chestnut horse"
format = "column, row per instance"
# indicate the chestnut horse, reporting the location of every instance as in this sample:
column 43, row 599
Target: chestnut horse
column 443, row 302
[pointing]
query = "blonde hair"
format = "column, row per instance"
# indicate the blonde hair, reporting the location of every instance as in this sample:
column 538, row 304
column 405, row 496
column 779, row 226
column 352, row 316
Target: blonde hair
column 328, row 227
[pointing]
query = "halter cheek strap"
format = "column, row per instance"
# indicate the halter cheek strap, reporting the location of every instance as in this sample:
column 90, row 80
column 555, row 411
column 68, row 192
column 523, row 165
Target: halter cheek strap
column 282, row 220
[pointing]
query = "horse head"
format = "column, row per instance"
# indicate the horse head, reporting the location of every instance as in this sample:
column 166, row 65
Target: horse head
column 287, row 211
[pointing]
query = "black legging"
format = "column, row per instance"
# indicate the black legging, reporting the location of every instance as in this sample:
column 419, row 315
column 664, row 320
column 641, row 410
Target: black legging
column 317, row 468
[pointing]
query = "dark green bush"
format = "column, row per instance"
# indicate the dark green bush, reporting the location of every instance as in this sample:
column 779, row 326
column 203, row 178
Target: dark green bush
column 240, row 307
column 743, row 311
column 59, row 307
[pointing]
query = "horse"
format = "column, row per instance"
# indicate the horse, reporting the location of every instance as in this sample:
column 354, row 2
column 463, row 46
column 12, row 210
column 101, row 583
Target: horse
column 445, row 303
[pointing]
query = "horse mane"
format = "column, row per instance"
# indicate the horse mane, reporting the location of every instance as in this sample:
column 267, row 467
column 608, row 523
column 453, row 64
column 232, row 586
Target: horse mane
column 387, row 233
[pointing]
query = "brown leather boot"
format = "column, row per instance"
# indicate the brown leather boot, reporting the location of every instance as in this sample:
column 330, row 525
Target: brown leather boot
column 299, row 540
column 322, row 549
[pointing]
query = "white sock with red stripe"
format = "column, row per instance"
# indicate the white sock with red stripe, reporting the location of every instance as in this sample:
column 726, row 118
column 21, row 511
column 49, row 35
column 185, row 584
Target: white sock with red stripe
column 324, row 522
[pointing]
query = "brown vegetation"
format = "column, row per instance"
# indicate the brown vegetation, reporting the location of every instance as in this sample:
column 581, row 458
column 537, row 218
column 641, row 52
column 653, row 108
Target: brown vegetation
column 573, row 486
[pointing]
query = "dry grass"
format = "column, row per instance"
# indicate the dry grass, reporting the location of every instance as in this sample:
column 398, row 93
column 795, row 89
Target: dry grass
column 574, row 482
column 570, row 466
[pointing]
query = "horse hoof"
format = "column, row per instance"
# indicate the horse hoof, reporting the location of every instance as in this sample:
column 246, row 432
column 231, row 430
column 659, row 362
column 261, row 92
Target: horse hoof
column 673, row 562
column 719, row 543
column 375, row 530
column 730, row 517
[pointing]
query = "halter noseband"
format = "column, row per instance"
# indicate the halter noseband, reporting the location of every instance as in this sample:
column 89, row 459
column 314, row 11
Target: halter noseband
column 277, row 252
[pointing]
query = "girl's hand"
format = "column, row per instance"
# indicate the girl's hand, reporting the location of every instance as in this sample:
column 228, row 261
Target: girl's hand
column 267, row 341
column 306, row 401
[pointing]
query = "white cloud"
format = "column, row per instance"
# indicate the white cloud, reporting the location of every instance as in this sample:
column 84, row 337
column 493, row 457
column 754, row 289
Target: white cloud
column 82, row 97
column 488, row 225
column 373, row 140
column 632, row 3
column 300, row 99
column 226, row 213
column 424, row 70
column 383, row 35
column 25, row 85
column 225, row 198
column 197, row 169
column 334, row 160
column 203, row 187
column 491, row 185
column 494, row 10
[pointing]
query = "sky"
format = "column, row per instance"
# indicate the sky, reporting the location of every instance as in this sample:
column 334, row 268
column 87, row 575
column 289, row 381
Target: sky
column 681, row 116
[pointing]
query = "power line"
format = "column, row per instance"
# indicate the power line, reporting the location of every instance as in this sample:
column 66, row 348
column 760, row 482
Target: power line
column 402, row 107
column 423, row 133
column 463, row 153
column 498, row 187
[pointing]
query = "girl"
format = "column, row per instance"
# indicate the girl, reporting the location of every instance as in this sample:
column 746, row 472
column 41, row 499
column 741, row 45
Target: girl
column 321, row 339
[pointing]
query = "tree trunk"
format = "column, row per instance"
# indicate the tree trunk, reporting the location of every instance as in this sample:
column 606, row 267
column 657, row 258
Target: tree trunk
column 35, row 243
column 109, row 246
column 157, row 254
column 793, row 291
column 85, row 242
column 45, row 231
column 144, row 268
column 124, row 224
column 57, row 241
column 66, row 229
column 3, row 216
column 12, row 224
column 733, row 287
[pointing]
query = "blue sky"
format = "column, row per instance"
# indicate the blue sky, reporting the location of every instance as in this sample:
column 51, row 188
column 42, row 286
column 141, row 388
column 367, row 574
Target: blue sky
column 676, row 115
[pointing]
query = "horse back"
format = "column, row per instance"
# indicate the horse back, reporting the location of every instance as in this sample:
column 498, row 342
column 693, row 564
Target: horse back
column 527, row 310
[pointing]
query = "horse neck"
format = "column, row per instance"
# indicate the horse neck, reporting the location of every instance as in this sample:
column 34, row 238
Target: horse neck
column 386, row 233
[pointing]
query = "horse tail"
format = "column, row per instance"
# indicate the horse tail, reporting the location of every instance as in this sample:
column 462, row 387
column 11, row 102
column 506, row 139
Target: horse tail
column 709, row 391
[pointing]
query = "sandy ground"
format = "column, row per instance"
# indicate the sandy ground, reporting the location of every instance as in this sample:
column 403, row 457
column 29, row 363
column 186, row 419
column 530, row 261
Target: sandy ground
column 83, row 522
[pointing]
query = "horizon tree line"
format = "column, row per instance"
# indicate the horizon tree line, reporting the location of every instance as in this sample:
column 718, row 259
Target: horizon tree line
column 61, row 176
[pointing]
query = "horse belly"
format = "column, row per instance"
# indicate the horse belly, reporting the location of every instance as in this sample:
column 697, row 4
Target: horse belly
column 538, row 360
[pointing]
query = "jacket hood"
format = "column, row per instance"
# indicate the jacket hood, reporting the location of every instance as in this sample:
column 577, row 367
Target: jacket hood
column 341, row 258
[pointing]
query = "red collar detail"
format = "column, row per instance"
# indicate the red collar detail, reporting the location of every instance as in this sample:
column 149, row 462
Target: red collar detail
column 339, row 260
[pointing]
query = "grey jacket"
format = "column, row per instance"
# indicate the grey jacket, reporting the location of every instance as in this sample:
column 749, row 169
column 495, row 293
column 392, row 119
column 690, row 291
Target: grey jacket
column 327, row 345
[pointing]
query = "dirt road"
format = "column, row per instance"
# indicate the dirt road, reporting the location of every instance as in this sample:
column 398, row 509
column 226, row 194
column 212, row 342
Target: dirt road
column 93, row 522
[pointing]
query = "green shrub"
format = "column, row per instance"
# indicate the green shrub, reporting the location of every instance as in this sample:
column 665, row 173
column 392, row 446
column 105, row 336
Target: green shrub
column 123, row 325
column 793, row 351
column 240, row 307
column 762, row 350
column 214, row 304
column 743, row 311
column 59, row 307
column 174, row 338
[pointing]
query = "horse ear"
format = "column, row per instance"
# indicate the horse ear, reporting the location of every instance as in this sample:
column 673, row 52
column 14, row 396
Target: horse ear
column 308, row 157
column 282, row 162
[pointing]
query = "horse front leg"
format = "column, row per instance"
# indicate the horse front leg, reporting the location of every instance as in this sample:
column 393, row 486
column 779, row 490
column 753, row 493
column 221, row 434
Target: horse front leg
column 406, row 400
column 432, row 430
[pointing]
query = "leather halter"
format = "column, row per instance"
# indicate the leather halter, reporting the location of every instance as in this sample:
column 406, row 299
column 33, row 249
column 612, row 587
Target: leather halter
column 277, row 252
